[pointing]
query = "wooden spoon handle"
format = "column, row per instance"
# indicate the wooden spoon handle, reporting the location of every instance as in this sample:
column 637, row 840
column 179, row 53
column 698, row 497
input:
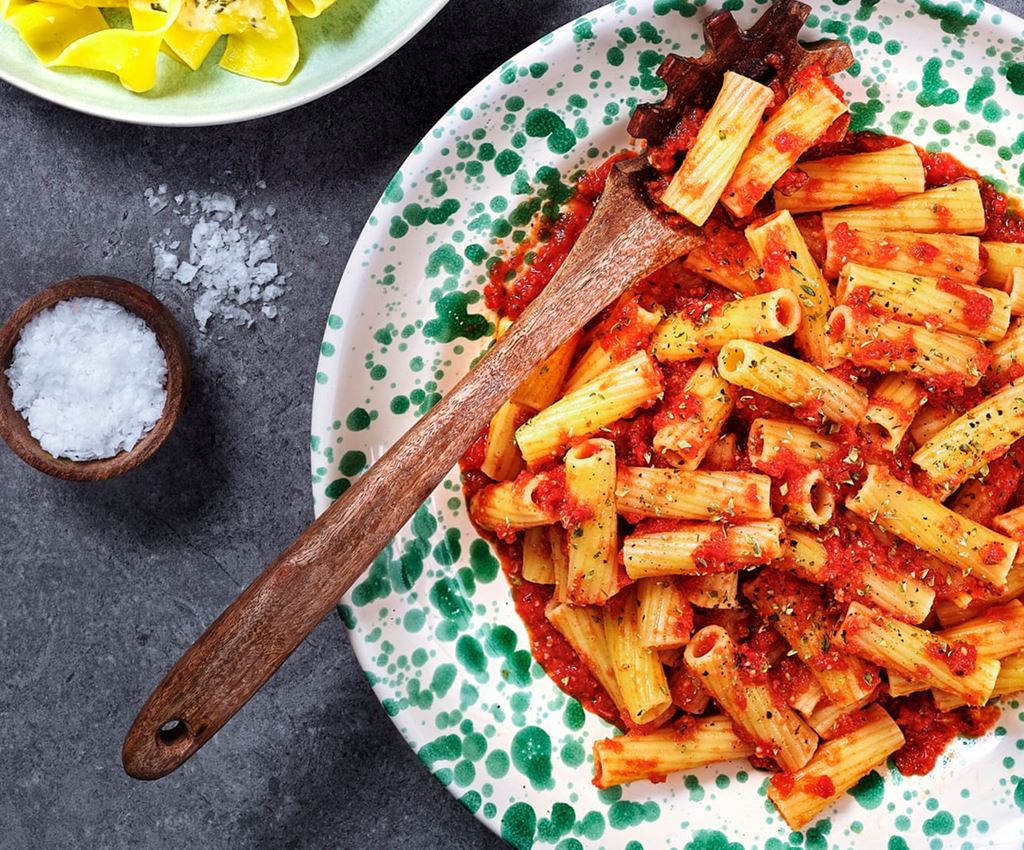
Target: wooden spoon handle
column 623, row 242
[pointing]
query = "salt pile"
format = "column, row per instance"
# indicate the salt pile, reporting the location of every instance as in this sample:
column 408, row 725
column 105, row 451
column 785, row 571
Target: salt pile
column 89, row 377
column 229, row 257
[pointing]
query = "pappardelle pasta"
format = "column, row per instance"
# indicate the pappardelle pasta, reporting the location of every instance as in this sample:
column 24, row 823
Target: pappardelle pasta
column 771, row 503
column 261, row 41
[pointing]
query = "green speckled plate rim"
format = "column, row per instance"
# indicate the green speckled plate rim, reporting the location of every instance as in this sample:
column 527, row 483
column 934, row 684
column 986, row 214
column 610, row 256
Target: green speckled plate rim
column 335, row 51
column 434, row 628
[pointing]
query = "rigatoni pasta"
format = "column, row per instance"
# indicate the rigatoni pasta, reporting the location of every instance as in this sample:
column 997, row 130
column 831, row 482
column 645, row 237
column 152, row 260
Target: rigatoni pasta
column 786, row 262
column 933, row 302
column 786, row 379
column 860, row 178
column 956, row 208
column 794, row 127
column 948, row 255
column 761, row 318
column 618, row 392
column 721, row 141
column 900, row 509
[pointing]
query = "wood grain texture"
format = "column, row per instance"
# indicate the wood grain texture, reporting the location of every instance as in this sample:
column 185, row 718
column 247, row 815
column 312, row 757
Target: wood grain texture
column 623, row 243
column 135, row 299
column 768, row 51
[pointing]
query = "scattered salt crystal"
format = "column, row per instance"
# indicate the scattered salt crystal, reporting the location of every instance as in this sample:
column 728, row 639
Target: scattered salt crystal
column 165, row 263
column 89, row 377
column 270, row 311
column 227, row 265
column 186, row 273
column 156, row 201
column 261, row 184
column 322, row 239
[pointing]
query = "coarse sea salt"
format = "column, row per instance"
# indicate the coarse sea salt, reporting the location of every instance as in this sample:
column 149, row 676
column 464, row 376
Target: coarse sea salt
column 229, row 268
column 89, row 377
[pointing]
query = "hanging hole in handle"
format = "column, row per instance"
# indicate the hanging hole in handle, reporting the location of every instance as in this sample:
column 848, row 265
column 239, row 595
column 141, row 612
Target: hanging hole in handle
column 173, row 732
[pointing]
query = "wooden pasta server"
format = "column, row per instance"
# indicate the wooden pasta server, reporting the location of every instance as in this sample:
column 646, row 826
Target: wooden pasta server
column 628, row 238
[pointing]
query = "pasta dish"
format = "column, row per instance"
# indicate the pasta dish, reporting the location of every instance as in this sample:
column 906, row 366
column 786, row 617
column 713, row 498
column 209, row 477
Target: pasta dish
column 769, row 504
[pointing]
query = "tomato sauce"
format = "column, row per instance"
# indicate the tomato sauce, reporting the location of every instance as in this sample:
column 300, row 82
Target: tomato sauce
column 551, row 650
column 929, row 731
column 977, row 309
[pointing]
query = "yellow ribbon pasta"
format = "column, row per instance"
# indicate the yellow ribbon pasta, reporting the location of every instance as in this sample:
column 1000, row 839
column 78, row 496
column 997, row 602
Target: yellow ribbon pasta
column 261, row 40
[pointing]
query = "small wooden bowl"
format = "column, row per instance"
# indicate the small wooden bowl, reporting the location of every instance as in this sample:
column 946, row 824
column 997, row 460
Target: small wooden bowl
column 135, row 299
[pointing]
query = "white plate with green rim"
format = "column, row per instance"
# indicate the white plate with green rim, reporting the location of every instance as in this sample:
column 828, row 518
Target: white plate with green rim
column 433, row 624
column 346, row 41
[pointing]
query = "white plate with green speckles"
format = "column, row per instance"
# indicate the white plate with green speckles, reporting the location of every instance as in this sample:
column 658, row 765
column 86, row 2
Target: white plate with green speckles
column 433, row 624
column 347, row 40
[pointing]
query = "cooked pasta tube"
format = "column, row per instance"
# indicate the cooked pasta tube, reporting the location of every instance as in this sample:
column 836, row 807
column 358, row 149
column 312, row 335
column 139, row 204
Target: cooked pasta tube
column 808, row 500
column 638, row 670
column 918, row 654
column 860, row 178
column 995, row 633
column 702, row 549
column 951, row 614
column 983, row 499
column 890, row 346
column 627, row 758
column 829, row 719
column 1001, row 257
column 761, row 318
column 836, row 767
column 559, row 549
column 584, row 630
column 681, row 494
column 982, row 434
column 628, row 333
column 544, row 383
column 771, row 438
column 722, row 455
column 892, row 406
column 688, row 694
column 1008, row 353
column 593, row 530
column 929, row 525
column 1016, row 291
column 787, row 263
column 538, row 567
column 777, row 731
column 1011, row 523
column 1009, row 681
column 797, row 611
column 725, row 258
column 502, row 460
column 625, row 387
column 803, row 555
column 905, row 597
column 790, row 381
column 716, row 591
column 956, row 208
column 778, row 143
column 666, row 618
column 932, row 254
column 511, row 506
column 684, row 441
column 931, row 419
column 933, row 302
column 805, row 700
column 721, row 140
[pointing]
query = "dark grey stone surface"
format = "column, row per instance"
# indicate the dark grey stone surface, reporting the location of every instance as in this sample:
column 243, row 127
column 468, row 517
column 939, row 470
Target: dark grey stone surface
column 102, row 586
